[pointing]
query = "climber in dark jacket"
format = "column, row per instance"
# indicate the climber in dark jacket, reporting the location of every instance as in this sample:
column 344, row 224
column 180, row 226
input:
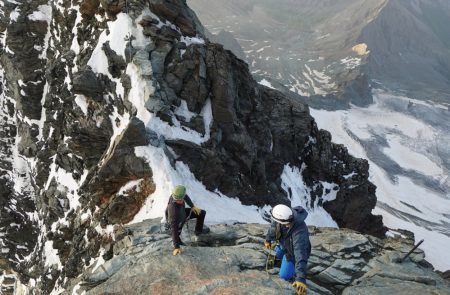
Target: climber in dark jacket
column 177, row 215
column 289, row 228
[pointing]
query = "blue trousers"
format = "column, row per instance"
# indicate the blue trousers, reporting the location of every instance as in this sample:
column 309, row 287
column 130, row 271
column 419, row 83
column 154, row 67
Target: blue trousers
column 287, row 269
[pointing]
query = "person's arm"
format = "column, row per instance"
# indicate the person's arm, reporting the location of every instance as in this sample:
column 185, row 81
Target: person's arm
column 300, row 239
column 188, row 201
column 197, row 211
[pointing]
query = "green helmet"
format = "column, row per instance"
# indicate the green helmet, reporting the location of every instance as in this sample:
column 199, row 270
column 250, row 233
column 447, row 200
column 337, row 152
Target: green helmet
column 179, row 192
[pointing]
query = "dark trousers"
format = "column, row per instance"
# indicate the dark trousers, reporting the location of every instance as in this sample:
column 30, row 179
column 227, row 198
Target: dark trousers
column 200, row 219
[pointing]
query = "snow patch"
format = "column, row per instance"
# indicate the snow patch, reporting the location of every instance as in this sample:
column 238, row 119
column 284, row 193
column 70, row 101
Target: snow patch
column 192, row 40
column 181, row 132
column 51, row 255
column 300, row 195
column 407, row 158
column 44, row 13
column 184, row 112
column 81, row 101
column 215, row 203
column 266, row 83
column 411, row 142
column 14, row 15
column 329, row 192
column 130, row 185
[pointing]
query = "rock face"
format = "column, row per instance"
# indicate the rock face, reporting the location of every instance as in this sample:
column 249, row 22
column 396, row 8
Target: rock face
column 76, row 95
column 230, row 260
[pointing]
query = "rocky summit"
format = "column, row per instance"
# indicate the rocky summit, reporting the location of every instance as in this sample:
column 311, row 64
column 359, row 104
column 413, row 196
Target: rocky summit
column 231, row 260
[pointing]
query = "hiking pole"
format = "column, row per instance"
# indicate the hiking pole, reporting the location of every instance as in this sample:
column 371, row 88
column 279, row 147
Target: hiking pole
column 412, row 250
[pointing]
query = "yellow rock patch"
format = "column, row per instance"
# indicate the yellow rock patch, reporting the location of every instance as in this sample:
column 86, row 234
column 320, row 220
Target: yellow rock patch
column 360, row 49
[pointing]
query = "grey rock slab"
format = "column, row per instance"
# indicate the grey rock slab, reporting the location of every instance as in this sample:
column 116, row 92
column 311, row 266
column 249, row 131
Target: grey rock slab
column 334, row 276
column 340, row 241
column 387, row 276
column 352, row 265
column 313, row 288
column 142, row 60
column 200, row 270
column 107, row 269
column 394, row 287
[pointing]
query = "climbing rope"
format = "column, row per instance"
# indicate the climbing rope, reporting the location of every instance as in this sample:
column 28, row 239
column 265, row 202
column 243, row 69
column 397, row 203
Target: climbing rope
column 270, row 261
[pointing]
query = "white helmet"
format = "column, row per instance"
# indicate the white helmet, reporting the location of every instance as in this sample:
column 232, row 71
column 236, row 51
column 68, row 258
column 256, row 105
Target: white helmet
column 282, row 214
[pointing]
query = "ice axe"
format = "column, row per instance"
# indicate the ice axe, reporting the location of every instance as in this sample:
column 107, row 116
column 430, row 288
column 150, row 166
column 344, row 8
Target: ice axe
column 412, row 250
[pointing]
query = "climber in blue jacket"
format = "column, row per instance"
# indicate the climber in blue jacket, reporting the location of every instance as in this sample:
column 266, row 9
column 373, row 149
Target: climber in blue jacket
column 289, row 228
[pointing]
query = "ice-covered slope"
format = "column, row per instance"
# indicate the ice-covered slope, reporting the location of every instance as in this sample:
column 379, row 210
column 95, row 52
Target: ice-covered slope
column 407, row 144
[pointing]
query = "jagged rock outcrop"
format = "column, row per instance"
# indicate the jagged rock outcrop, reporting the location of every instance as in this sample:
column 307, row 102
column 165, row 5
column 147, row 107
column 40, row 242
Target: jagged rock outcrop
column 77, row 101
column 230, row 260
column 254, row 133
column 228, row 41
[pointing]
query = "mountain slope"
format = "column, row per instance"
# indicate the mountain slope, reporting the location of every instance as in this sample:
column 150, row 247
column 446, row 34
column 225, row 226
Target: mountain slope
column 115, row 104
column 410, row 48
column 309, row 47
column 405, row 140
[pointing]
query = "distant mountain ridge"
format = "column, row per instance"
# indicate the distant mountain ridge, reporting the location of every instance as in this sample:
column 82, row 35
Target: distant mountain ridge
column 308, row 46
column 410, row 48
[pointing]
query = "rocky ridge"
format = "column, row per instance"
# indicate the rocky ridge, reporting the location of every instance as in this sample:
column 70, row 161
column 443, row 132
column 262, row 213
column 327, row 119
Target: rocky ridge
column 230, row 260
column 69, row 170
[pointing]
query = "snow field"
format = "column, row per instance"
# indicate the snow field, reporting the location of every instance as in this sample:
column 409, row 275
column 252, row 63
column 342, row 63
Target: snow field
column 403, row 133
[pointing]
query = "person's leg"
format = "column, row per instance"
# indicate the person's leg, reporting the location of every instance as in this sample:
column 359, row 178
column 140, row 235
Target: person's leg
column 200, row 219
column 200, row 222
column 287, row 269
column 279, row 252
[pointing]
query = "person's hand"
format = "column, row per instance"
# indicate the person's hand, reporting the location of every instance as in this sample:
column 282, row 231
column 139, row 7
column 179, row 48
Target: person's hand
column 268, row 245
column 300, row 288
column 196, row 210
column 176, row 251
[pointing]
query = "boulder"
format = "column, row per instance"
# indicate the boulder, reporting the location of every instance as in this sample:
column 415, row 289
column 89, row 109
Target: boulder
column 86, row 82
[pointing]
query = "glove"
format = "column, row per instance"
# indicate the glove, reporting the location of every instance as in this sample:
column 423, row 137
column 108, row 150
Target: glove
column 267, row 245
column 300, row 287
column 176, row 251
column 196, row 210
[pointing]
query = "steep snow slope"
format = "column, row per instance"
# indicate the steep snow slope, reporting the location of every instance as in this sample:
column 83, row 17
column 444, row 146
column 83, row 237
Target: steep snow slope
column 408, row 158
